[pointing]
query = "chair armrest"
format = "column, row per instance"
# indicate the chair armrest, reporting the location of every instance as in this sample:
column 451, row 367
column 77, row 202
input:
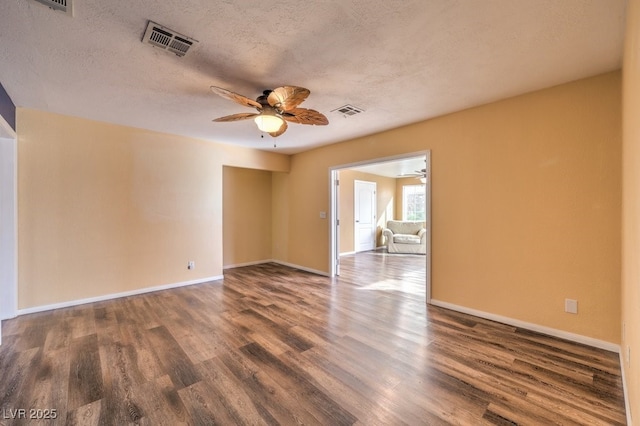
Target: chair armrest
column 387, row 235
column 423, row 235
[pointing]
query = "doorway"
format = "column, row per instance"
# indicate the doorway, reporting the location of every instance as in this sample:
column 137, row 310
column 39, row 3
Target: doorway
column 415, row 166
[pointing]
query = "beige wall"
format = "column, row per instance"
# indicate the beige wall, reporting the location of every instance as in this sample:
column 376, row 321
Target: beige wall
column 247, row 220
column 105, row 209
column 525, row 204
column 385, row 199
column 631, row 209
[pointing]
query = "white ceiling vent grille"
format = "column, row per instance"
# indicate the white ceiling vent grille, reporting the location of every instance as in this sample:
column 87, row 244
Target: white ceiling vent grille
column 348, row 110
column 61, row 5
column 169, row 40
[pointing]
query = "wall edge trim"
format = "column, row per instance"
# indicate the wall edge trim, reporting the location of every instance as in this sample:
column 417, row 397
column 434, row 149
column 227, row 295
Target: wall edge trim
column 71, row 303
column 554, row 332
column 625, row 391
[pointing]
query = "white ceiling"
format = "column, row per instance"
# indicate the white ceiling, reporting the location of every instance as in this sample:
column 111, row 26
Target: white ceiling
column 402, row 61
column 402, row 167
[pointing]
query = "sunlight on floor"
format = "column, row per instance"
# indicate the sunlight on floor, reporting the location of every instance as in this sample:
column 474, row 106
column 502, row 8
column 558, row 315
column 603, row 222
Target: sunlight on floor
column 395, row 285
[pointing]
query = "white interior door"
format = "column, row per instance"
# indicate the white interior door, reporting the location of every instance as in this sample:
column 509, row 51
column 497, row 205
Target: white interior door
column 364, row 215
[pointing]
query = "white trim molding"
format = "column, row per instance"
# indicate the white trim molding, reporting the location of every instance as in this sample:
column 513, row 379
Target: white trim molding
column 578, row 338
column 116, row 295
column 279, row 262
column 9, row 236
column 242, row 265
column 9, row 222
column 302, row 268
column 627, row 407
column 106, row 297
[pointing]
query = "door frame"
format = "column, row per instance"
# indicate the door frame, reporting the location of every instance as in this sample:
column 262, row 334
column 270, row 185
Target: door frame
column 334, row 222
column 356, row 239
column 334, row 247
column 9, row 223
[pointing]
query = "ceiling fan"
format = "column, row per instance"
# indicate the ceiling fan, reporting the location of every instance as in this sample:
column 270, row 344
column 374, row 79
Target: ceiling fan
column 275, row 107
column 418, row 174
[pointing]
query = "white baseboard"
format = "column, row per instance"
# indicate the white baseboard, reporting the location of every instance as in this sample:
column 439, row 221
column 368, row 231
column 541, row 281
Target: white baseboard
column 105, row 297
column 347, row 253
column 241, row 265
column 279, row 262
column 302, row 268
column 71, row 303
column 578, row 338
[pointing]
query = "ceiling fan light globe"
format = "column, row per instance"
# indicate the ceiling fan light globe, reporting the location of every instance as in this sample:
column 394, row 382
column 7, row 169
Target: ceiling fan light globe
column 268, row 123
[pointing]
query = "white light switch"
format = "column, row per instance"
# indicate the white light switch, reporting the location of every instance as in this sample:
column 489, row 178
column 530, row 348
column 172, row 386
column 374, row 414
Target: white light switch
column 323, row 215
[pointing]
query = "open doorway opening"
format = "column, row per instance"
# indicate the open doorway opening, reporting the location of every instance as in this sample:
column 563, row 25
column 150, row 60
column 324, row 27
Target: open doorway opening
column 400, row 180
column 247, row 219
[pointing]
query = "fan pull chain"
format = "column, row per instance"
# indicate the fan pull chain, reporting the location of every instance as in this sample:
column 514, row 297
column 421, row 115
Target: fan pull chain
column 274, row 141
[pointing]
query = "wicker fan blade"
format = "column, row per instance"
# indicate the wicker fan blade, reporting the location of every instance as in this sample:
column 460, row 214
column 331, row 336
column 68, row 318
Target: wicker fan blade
column 281, row 130
column 305, row 116
column 242, row 100
column 286, row 98
column 236, row 117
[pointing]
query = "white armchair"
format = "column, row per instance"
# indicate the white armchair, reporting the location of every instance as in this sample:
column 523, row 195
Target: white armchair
column 405, row 237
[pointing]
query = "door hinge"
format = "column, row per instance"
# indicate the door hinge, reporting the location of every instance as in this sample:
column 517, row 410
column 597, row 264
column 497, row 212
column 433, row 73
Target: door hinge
column 338, row 222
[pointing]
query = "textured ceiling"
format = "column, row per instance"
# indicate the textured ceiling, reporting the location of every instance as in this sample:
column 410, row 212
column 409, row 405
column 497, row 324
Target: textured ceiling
column 402, row 61
column 404, row 167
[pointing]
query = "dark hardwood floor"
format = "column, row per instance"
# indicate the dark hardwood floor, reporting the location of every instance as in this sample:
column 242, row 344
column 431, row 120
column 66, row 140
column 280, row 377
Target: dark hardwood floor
column 273, row 345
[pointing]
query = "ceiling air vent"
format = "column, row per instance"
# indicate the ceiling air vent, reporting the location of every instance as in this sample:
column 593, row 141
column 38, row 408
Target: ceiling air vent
column 348, row 110
column 61, row 5
column 169, row 40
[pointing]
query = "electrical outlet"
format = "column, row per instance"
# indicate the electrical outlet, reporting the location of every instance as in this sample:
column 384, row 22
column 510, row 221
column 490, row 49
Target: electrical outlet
column 571, row 306
column 191, row 265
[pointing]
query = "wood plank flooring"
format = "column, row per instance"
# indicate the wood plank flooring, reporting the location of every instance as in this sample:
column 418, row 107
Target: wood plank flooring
column 274, row 345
